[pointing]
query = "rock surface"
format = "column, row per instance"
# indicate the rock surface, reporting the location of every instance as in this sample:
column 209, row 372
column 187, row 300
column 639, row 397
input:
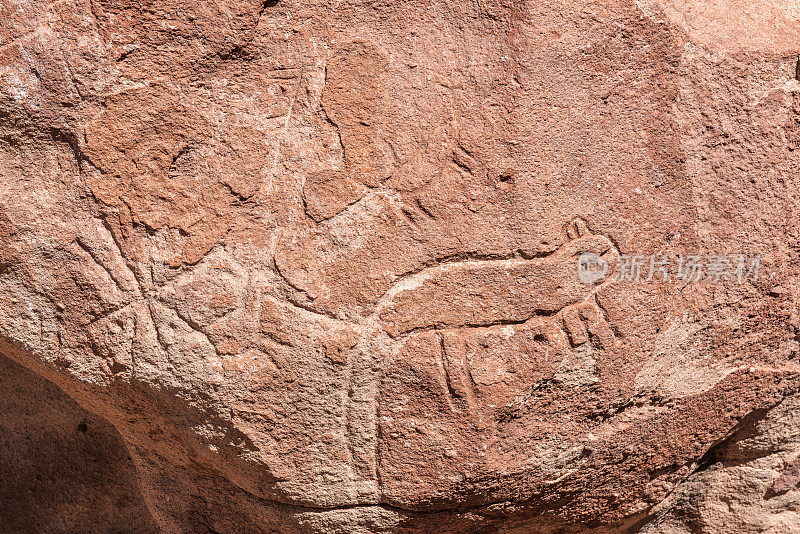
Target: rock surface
column 292, row 266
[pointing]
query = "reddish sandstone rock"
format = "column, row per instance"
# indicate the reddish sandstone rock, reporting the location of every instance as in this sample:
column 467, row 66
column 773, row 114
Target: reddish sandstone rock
column 314, row 267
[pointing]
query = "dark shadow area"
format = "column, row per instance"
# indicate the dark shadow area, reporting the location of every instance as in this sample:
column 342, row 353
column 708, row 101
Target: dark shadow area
column 62, row 469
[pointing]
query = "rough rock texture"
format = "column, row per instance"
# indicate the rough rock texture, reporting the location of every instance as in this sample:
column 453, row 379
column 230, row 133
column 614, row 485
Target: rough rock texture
column 294, row 266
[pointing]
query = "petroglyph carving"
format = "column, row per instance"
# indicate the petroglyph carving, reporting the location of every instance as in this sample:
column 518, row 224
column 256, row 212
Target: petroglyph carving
column 495, row 292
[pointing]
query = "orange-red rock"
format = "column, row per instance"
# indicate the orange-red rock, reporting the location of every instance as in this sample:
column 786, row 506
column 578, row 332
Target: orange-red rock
column 315, row 266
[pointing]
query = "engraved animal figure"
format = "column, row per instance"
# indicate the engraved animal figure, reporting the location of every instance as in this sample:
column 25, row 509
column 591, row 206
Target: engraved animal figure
column 500, row 292
column 471, row 339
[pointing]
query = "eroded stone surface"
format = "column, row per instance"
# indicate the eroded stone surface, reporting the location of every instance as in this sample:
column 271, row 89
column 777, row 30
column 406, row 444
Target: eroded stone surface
column 765, row 26
column 317, row 263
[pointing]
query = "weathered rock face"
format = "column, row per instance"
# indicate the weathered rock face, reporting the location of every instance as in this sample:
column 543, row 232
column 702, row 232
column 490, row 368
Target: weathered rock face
column 314, row 267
